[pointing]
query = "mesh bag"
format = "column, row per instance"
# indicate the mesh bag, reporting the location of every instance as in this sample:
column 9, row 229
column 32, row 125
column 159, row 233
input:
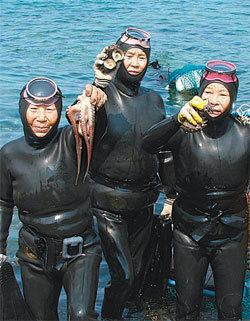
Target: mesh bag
column 186, row 78
column 243, row 114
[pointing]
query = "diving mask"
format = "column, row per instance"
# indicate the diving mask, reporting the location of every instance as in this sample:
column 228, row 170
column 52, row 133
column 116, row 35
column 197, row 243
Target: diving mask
column 220, row 70
column 135, row 36
column 41, row 91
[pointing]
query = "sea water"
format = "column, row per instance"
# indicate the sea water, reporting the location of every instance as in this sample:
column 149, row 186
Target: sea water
column 60, row 39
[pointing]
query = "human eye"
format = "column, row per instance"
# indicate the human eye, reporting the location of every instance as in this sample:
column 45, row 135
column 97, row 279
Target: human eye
column 50, row 108
column 128, row 56
column 207, row 92
column 33, row 109
column 224, row 95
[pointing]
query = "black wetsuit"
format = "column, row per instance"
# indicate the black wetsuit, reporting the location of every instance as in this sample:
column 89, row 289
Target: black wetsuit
column 124, row 177
column 40, row 182
column 210, row 213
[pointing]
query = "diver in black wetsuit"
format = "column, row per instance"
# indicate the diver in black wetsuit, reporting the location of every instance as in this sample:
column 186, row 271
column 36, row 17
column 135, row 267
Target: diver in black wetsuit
column 210, row 214
column 124, row 176
column 57, row 243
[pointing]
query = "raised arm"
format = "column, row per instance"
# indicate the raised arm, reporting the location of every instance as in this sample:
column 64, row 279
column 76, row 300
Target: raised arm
column 156, row 138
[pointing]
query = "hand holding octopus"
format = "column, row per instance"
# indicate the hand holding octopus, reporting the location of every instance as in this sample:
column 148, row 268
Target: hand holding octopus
column 82, row 118
column 82, row 114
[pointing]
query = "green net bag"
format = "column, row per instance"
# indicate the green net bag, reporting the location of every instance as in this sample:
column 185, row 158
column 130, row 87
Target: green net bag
column 187, row 78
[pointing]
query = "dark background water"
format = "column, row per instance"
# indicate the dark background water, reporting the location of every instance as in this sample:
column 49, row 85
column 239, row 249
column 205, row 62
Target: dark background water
column 60, row 39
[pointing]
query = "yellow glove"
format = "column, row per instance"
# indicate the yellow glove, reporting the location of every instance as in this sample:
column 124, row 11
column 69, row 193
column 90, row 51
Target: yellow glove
column 189, row 113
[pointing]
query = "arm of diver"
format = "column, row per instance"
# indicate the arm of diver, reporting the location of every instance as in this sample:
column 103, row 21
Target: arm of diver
column 6, row 214
column 156, row 137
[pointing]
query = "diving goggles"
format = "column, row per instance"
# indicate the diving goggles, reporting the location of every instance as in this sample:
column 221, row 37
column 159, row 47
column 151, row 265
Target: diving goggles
column 221, row 70
column 41, row 91
column 135, row 36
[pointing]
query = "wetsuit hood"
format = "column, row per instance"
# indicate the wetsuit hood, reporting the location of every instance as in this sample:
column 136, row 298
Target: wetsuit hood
column 217, row 126
column 31, row 138
column 231, row 87
column 223, row 72
column 127, row 83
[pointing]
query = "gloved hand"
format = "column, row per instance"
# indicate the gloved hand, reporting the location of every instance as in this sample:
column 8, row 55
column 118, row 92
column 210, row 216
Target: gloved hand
column 189, row 113
column 3, row 258
column 96, row 95
column 103, row 75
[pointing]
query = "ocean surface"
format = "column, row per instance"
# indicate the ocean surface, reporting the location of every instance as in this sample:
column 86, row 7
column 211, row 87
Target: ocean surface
column 61, row 38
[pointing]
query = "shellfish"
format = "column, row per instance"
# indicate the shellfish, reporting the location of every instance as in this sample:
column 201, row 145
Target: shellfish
column 82, row 118
column 188, row 127
column 114, row 54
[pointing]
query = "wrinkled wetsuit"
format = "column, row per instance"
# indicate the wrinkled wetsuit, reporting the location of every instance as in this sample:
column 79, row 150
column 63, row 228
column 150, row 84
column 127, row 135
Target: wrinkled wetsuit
column 40, row 183
column 124, row 177
column 210, row 214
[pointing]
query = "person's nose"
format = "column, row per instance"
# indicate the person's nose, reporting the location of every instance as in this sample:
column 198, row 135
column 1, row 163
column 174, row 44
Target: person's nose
column 134, row 61
column 213, row 99
column 41, row 115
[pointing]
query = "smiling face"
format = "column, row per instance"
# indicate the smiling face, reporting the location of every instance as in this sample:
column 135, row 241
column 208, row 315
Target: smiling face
column 218, row 97
column 135, row 61
column 41, row 118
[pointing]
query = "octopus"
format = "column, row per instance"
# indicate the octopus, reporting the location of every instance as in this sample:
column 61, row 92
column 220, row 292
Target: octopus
column 83, row 118
column 190, row 128
column 83, row 123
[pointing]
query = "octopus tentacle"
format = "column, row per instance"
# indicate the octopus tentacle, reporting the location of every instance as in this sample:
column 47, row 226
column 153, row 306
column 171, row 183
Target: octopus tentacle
column 78, row 139
column 87, row 126
column 83, row 123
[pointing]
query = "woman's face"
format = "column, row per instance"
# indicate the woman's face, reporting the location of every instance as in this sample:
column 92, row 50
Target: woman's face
column 217, row 95
column 41, row 118
column 135, row 61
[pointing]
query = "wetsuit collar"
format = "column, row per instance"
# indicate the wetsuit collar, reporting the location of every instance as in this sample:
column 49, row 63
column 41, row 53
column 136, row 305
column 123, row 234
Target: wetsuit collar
column 216, row 127
column 129, row 88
